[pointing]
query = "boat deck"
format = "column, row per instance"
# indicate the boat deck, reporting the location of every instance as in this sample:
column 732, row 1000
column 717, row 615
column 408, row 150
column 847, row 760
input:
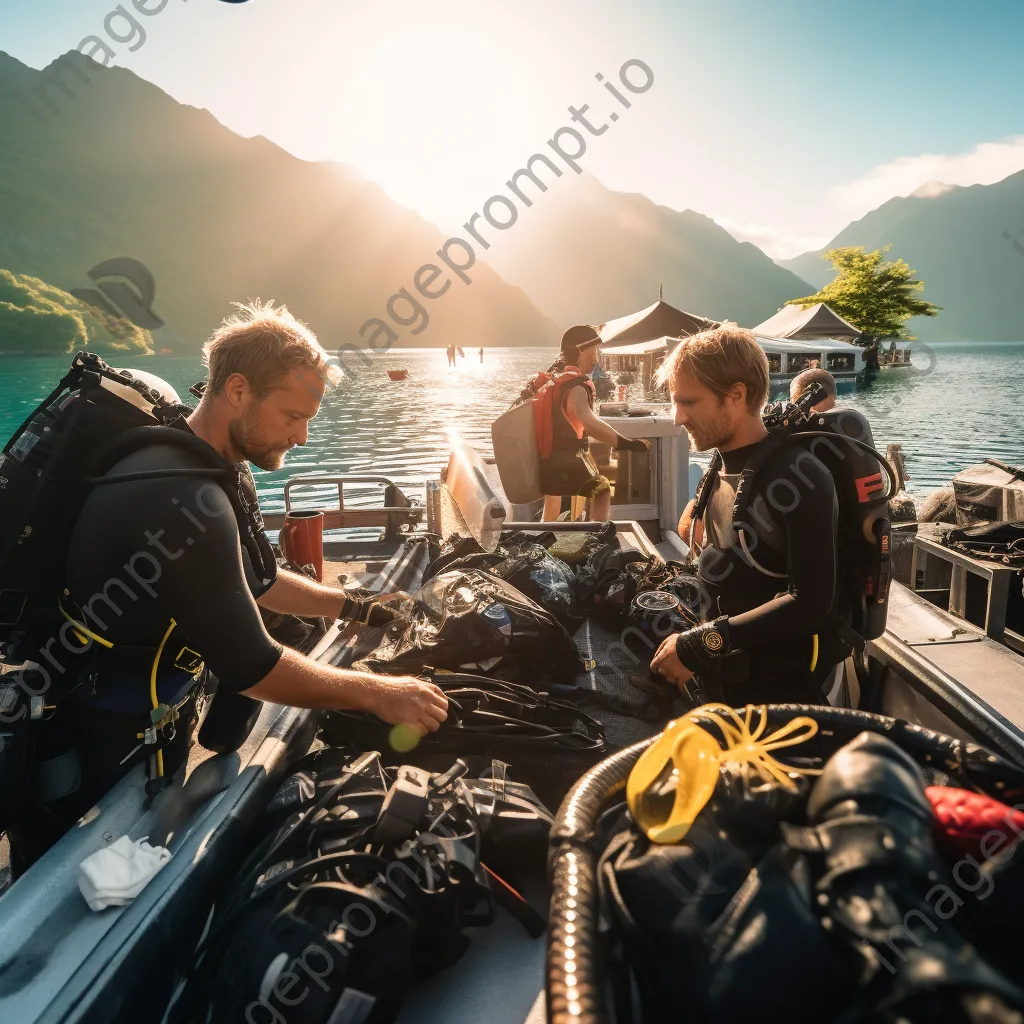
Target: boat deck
column 952, row 676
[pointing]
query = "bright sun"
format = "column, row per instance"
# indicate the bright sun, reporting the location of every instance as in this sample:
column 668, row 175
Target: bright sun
column 438, row 118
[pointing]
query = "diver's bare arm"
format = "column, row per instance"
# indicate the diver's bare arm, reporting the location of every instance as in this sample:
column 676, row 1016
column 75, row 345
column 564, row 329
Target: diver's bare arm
column 304, row 683
column 594, row 425
column 294, row 594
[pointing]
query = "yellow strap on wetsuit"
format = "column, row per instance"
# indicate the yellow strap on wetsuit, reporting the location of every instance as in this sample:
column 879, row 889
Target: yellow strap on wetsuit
column 82, row 631
column 696, row 756
column 814, row 652
column 152, row 689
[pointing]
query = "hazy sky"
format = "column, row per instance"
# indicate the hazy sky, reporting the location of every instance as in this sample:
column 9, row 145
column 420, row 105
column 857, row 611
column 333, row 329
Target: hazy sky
column 782, row 119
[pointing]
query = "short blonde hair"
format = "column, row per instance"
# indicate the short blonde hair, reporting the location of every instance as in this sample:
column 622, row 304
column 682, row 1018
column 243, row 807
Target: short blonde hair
column 264, row 343
column 719, row 359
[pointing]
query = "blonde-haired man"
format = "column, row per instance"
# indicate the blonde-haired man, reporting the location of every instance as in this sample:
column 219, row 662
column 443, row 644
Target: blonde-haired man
column 167, row 565
column 771, row 627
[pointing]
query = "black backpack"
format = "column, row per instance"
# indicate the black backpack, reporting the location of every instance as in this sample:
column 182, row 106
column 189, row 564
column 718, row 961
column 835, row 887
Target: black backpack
column 44, row 479
column 47, row 469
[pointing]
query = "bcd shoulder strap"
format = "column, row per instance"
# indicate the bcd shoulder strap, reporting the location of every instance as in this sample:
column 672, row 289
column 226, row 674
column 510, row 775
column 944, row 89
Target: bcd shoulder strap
column 764, row 452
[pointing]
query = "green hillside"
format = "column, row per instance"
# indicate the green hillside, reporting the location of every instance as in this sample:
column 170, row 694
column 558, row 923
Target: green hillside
column 957, row 243
column 124, row 170
column 38, row 319
column 589, row 254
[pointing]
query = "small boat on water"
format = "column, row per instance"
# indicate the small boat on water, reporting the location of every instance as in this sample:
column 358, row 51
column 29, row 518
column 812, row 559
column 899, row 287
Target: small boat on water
column 398, row 374
column 946, row 661
column 893, row 357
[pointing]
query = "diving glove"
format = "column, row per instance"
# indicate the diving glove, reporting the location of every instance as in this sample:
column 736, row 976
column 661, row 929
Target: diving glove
column 368, row 613
column 699, row 647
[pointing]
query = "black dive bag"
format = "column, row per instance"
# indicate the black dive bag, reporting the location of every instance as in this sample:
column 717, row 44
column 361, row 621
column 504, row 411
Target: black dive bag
column 476, row 621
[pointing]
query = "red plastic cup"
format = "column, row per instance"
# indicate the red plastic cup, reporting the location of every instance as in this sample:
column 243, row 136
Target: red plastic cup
column 302, row 540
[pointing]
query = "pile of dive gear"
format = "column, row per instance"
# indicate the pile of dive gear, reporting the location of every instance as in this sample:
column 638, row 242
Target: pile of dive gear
column 363, row 881
column 509, row 613
column 492, row 629
column 790, row 863
column 549, row 742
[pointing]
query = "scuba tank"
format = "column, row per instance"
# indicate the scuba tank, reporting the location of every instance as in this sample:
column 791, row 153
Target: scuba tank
column 44, row 470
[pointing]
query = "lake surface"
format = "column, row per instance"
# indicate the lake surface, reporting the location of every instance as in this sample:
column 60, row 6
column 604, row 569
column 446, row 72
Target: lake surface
column 960, row 404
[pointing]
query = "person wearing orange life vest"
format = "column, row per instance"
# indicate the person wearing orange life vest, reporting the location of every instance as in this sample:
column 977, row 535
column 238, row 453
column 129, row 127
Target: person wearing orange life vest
column 569, row 469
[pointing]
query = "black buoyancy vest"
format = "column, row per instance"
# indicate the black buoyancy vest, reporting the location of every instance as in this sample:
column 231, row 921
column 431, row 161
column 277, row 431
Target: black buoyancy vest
column 841, row 440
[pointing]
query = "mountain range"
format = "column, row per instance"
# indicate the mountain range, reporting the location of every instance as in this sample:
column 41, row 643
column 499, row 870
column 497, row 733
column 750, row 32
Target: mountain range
column 965, row 242
column 614, row 249
column 121, row 169
column 124, row 170
column 98, row 164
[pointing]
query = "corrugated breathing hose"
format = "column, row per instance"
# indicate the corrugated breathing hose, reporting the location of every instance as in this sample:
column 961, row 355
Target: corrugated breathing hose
column 574, row 985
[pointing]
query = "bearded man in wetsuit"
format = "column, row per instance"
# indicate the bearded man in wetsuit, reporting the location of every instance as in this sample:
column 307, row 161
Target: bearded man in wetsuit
column 770, row 629
column 570, row 469
column 166, row 567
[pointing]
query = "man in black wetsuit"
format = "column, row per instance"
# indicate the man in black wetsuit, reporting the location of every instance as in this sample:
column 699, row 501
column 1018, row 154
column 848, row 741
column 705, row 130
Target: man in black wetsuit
column 164, row 575
column 770, row 631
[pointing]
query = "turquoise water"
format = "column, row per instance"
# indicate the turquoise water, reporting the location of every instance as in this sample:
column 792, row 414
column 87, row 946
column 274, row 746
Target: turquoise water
column 961, row 404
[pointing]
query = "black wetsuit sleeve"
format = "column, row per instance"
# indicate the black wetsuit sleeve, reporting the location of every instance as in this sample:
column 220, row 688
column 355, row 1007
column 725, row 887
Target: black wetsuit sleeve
column 810, row 529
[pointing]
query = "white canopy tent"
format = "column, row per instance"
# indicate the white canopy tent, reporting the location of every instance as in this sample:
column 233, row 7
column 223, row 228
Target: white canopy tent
column 815, row 323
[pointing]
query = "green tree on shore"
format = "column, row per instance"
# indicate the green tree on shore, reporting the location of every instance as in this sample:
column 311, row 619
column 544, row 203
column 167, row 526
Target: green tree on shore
column 876, row 295
column 38, row 318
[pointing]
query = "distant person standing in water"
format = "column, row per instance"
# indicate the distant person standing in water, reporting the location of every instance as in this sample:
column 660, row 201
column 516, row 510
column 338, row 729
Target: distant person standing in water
column 450, row 351
column 570, row 469
column 871, row 355
column 481, row 355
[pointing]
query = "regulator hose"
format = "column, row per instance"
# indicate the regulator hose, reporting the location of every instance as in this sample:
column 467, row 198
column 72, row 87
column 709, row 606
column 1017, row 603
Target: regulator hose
column 574, row 985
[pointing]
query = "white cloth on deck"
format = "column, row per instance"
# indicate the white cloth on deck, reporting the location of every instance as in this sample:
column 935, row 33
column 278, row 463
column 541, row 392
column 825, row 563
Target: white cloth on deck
column 114, row 876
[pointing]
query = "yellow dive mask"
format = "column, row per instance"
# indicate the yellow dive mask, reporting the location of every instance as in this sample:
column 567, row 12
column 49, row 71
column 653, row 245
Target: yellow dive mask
column 665, row 803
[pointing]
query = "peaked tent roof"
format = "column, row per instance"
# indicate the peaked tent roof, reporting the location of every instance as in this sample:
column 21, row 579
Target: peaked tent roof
column 657, row 321
column 819, row 321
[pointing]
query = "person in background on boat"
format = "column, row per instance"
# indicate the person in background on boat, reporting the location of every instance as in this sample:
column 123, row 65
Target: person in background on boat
column 871, row 355
column 450, row 351
column 802, row 381
column 570, row 469
column 769, row 590
column 201, row 576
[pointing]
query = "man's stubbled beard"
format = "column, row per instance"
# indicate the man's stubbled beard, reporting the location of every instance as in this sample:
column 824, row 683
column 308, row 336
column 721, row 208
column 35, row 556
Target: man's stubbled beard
column 245, row 436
